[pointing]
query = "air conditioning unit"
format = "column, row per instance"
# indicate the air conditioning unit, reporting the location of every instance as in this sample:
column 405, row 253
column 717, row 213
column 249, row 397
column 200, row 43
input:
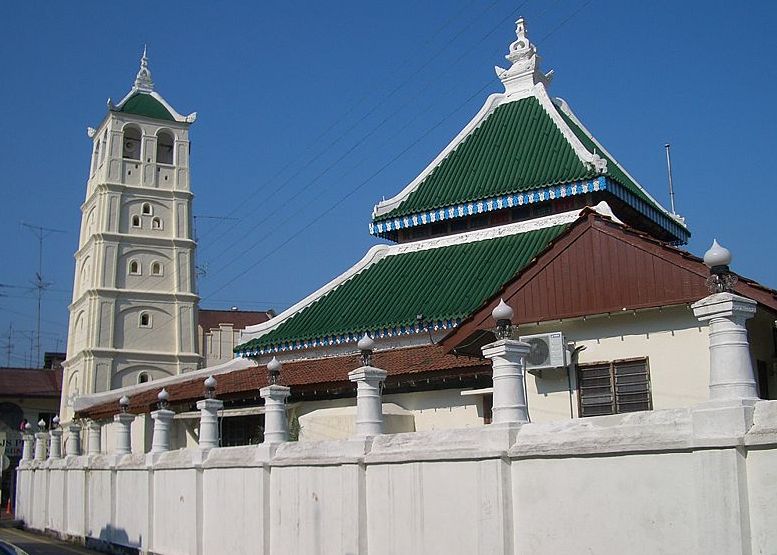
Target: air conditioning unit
column 548, row 350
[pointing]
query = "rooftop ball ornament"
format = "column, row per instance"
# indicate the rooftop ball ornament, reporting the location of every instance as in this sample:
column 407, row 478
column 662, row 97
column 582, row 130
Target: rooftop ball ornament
column 717, row 259
column 124, row 404
column 503, row 315
column 42, row 424
column 366, row 346
column 163, row 397
column 274, row 370
column 210, row 387
column 55, row 422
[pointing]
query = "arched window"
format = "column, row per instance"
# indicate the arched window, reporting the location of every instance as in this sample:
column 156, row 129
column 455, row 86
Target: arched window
column 143, row 378
column 131, row 144
column 105, row 145
column 96, row 157
column 156, row 268
column 134, row 268
column 135, row 221
column 147, row 209
column 164, row 148
column 156, row 223
column 144, row 320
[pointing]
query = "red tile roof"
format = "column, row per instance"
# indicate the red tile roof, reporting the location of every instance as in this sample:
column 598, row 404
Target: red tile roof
column 240, row 319
column 416, row 362
column 30, row 382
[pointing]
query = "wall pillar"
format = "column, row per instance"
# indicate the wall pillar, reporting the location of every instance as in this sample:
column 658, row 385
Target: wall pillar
column 94, row 437
column 160, row 441
column 73, row 447
column 55, row 448
column 41, row 439
column 369, row 402
column 27, row 442
column 508, row 362
column 209, row 422
column 123, row 422
column 731, row 369
column 275, row 425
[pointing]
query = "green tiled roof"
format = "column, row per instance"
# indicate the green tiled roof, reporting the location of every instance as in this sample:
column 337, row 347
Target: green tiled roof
column 445, row 284
column 517, row 148
column 142, row 104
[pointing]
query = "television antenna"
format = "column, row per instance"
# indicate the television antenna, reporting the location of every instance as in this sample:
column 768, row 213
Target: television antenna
column 39, row 283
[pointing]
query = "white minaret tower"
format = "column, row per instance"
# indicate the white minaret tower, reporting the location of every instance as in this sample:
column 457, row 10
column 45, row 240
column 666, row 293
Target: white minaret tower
column 134, row 309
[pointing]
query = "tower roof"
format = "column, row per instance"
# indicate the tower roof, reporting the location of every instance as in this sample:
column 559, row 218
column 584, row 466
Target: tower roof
column 522, row 147
column 143, row 100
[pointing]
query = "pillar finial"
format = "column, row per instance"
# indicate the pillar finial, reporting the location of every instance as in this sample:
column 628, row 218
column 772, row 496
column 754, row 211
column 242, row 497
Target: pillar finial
column 143, row 80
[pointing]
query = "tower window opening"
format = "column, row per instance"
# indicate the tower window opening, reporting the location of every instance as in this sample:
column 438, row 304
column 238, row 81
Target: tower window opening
column 147, row 210
column 131, row 143
column 156, row 269
column 164, row 148
column 144, row 321
column 156, row 223
column 134, row 268
column 135, row 221
column 143, row 378
column 96, row 157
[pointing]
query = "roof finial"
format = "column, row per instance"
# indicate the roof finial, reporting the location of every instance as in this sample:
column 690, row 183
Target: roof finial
column 525, row 71
column 143, row 79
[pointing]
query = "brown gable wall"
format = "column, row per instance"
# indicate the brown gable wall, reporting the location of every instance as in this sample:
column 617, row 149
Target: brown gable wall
column 601, row 267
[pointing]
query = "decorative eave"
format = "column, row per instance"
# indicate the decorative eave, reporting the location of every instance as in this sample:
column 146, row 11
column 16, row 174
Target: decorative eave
column 144, row 85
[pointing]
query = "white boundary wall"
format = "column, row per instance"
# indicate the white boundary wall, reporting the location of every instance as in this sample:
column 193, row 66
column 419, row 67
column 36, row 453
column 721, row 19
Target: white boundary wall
column 700, row 480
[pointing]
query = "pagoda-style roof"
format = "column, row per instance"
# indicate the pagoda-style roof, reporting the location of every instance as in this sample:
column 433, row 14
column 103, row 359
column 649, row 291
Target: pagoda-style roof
column 521, row 148
column 143, row 100
column 443, row 279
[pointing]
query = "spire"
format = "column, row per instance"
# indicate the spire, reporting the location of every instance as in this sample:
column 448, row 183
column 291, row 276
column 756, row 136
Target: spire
column 524, row 72
column 143, row 80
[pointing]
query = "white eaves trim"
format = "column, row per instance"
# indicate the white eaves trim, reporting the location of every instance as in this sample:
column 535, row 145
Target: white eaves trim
column 87, row 401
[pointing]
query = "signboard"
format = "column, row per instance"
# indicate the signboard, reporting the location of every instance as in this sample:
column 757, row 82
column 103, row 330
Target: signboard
column 11, row 443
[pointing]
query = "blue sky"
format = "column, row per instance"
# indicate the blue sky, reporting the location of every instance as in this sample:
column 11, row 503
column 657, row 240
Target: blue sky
column 309, row 113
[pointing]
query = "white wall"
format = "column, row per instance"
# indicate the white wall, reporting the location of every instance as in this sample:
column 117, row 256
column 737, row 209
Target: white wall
column 698, row 480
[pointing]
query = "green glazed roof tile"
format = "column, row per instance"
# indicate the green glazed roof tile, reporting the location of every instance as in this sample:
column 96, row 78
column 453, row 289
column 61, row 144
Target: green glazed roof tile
column 517, row 148
column 444, row 284
column 142, row 104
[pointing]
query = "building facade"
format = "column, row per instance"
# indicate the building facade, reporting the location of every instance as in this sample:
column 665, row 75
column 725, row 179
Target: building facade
column 134, row 310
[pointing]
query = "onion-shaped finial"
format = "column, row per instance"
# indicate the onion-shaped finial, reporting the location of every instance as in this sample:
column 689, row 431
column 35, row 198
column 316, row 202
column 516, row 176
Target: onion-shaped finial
column 274, row 370
column 717, row 255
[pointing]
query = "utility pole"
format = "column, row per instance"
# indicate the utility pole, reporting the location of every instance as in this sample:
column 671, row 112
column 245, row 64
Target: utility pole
column 9, row 345
column 667, row 146
column 41, row 233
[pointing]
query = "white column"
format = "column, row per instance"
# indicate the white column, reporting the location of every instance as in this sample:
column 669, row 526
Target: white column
column 369, row 403
column 163, row 419
column 27, row 441
column 123, row 422
column 41, row 438
column 275, row 424
column 94, row 438
column 508, row 362
column 73, row 447
column 731, row 369
column 209, row 422
column 55, row 448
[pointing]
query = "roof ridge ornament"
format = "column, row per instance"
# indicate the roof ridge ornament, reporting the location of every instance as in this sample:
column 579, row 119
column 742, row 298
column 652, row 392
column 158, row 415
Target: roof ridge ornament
column 143, row 80
column 524, row 72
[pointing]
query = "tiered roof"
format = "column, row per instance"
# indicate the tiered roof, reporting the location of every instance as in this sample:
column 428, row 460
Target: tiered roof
column 522, row 147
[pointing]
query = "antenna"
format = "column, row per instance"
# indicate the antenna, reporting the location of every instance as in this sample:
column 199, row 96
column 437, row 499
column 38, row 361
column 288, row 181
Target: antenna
column 9, row 345
column 41, row 233
column 667, row 146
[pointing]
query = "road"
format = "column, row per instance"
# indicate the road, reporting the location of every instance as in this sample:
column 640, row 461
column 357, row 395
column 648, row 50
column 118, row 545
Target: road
column 37, row 544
